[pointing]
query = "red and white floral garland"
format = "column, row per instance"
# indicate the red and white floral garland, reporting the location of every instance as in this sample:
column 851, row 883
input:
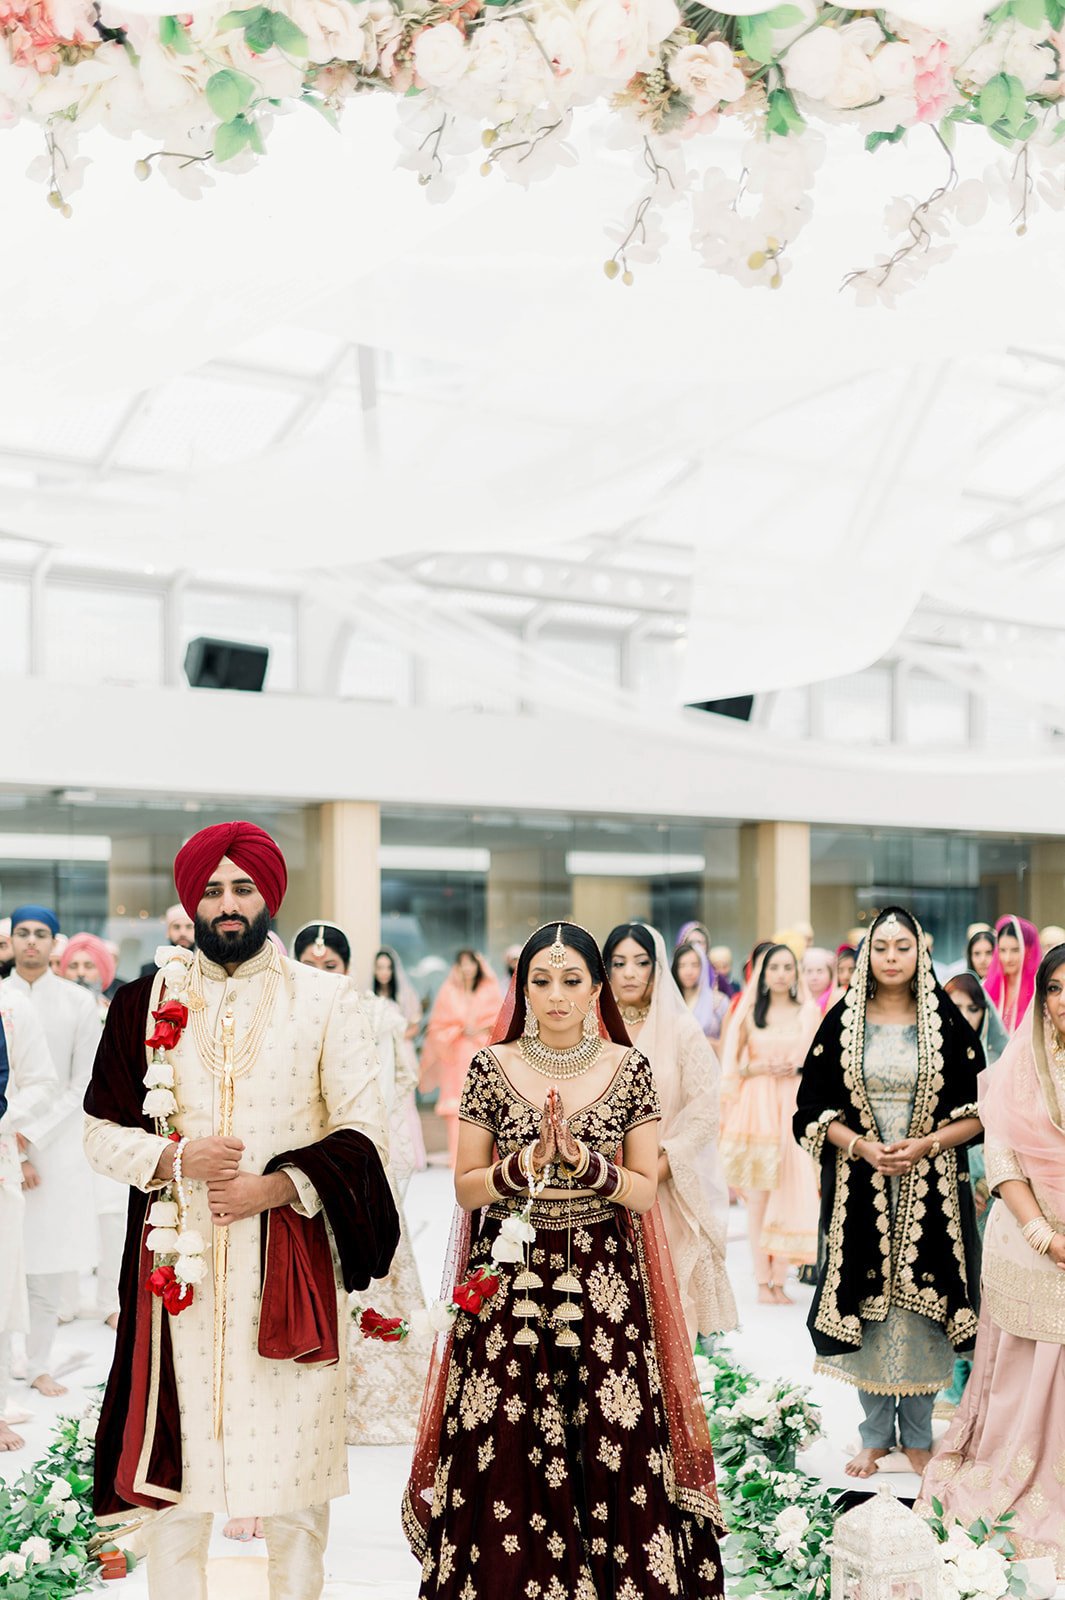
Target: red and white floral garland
column 515, row 1234
column 178, row 1249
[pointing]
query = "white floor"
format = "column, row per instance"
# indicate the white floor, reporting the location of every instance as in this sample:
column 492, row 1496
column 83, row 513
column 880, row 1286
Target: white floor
column 367, row 1553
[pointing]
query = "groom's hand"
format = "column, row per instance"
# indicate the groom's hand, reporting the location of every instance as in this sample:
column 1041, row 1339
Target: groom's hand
column 247, row 1195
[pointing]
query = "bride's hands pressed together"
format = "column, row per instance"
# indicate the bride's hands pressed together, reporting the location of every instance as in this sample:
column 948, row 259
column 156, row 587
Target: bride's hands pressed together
column 565, row 1142
column 545, row 1150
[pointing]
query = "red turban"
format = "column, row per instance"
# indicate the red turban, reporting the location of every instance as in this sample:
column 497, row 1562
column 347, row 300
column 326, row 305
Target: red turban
column 90, row 945
column 250, row 847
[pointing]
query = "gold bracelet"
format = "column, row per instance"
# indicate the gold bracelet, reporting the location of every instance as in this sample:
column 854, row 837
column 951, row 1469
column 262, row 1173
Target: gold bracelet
column 624, row 1188
column 584, row 1160
column 1039, row 1234
column 858, row 1137
column 934, row 1151
column 490, row 1181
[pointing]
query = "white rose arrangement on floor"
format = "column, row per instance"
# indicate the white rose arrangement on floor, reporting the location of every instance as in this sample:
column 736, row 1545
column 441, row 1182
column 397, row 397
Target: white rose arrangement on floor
column 500, row 83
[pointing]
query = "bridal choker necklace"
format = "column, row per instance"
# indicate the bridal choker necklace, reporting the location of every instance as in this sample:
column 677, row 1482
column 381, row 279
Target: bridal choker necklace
column 634, row 1013
column 560, row 1063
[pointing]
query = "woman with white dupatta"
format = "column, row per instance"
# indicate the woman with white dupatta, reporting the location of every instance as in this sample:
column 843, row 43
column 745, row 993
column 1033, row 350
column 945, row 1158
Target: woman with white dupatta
column 692, row 1194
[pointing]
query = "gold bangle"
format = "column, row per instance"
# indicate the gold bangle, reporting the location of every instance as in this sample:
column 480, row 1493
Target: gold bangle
column 490, row 1180
column 584, row 1160
column 624, row 1188
column 934, row 1151
column 858, row 1137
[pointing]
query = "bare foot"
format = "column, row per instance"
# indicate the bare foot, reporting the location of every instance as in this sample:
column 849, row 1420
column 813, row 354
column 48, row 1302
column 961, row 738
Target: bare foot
column 8, row 1439
column 864, row 1463
column 918, row 1459
column 45, row 1384
column 766, row 1297
column 242, row 1528
column 780, row 1296
column 112, row 1321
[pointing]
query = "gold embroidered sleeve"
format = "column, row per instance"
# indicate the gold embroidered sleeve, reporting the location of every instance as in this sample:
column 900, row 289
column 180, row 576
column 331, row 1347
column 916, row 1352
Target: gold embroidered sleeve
column 640, row 1102
column 480, row 1094
column 815, row 1133
column 1002, row 1165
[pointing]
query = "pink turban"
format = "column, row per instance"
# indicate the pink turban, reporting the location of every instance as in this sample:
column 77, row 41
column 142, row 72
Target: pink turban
column 90, row 945
column 250, row 847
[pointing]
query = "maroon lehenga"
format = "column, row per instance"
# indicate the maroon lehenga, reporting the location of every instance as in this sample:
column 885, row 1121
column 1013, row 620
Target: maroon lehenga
column 559, row 1473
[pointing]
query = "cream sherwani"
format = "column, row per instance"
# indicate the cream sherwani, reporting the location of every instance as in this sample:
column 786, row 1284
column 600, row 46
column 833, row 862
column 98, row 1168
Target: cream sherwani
column 281, row 1448
column 31, row 1097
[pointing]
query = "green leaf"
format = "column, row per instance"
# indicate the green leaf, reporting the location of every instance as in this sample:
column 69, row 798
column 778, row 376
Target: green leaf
column 873, row 141
column 783, row 116
column 756, row 36
column 785, row 16
column 230, row 139
column 240, row 19
column 227, row 93
column 172, row 36
column 322, row 109
column 253, row 138
column 993, row 99
column 288, row 37
column 1055, row 10
column 1031, row 13
column 259, row 35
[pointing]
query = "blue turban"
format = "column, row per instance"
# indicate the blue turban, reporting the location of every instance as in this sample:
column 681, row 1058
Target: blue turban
column 35, row 914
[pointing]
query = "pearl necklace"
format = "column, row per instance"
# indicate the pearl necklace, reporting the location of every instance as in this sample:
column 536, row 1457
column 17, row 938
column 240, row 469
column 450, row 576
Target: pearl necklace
column 635, row 1013
column 212, row 1051
column 572, row 1063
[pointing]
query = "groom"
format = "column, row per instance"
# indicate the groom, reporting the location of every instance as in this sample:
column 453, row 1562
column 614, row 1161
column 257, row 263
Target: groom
column 268, row 1078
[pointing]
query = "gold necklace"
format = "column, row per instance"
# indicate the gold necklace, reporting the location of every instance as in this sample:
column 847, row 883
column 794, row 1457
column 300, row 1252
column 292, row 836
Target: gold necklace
column 571, row 1063
column 635, row 1013
column 211, row 1051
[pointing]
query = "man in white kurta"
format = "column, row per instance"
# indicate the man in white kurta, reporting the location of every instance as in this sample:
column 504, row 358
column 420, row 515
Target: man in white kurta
column 60, row 1221
column 31, row 1090
column 304, row 1067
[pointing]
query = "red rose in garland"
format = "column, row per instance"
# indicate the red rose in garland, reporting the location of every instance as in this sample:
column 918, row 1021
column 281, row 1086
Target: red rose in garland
column 373, row 1326
column 170, row 1022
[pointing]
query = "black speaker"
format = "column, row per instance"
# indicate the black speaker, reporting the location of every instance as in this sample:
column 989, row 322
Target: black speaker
column 225, row 664
column 739, row 707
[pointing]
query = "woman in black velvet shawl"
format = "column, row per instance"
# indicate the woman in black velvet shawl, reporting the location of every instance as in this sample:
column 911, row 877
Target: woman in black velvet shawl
column 887, row 1105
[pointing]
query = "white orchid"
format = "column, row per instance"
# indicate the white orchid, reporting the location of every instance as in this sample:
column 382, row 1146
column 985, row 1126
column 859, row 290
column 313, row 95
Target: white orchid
column 514, row 1235
column 162, row 1241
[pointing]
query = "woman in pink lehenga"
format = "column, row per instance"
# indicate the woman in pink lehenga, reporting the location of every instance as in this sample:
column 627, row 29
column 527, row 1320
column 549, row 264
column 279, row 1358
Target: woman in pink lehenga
column 1010, row 978
column 460, row 1024
column 1005, row 1450
column 765, row 1048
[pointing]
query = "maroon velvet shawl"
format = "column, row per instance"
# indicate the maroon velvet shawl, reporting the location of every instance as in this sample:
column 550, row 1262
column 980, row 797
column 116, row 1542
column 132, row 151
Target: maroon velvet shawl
column 298, row 1319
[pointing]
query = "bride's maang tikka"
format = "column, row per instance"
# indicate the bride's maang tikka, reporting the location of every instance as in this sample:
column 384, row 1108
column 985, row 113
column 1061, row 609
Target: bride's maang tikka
column 319, row 942
column 556, row 956
column 891, row 927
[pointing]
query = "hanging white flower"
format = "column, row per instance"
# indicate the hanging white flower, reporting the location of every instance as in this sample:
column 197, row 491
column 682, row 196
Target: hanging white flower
column 509, row 1244
column 189, row 1243
column 190, row 1269
column 159, row 1103
column 160, row 1075
column 163, row 1241
column 163, row 1214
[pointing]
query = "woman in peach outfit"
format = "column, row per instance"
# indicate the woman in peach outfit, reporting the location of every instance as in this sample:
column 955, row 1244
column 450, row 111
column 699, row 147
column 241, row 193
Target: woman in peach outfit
column 460, row 1024
column 768, row 1038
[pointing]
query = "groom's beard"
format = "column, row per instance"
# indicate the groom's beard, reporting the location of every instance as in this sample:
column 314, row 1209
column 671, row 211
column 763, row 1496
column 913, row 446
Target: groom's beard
column 234, row 946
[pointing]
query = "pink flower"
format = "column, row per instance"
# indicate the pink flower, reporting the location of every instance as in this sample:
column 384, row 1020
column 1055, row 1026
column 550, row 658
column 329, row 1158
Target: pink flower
column 35, row 28
column 933, row 85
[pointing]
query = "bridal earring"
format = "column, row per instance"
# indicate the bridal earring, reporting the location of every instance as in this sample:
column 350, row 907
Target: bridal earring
column 590, row 1026
column 531, row 1029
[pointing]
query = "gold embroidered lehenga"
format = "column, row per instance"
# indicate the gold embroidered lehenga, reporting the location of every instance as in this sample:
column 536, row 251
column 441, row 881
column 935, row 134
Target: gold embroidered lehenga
column 558, row 1473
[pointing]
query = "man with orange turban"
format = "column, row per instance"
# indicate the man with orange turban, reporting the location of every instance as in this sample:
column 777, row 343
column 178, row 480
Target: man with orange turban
column 254, row 1144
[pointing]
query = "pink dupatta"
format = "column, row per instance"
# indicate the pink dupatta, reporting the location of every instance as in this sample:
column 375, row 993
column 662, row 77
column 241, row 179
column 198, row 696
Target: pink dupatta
column 1013, row 1008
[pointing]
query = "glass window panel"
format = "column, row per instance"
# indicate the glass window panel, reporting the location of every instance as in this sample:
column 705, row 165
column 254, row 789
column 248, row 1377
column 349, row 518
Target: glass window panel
column 93, row 634
column 253, row 618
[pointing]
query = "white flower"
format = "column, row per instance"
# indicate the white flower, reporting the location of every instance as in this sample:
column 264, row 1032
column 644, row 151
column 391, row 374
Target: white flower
column 59, row 1490
column 190, row 1269
column 754, row 1406
column 164, row 1241
column 491, row 53
column 440, row 55
column 707, row 74
column 512, row 1237
column 622, row 39
column 12, row 1565
column 163, row 1214
column 36, row 1549
column 190, row 1243
column 793, row 1519
column 831, row 64
column 167, row 953
column 160, row 1075
column 428, row 1321
column 159, row 1103
column 175, row 977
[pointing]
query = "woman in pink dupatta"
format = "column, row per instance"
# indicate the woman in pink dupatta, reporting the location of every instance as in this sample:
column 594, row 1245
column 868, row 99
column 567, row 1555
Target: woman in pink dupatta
column 1005, row 1450
column 1010, row 978
column 460, row 1023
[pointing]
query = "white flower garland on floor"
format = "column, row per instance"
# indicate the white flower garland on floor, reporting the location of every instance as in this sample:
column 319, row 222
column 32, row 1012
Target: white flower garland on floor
column 505, row 77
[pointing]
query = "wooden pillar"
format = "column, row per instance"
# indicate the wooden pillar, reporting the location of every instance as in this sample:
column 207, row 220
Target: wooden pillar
column 351, row 877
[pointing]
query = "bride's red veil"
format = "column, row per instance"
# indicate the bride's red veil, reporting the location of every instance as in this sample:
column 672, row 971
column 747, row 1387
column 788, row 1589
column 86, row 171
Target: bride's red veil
column 690, row 1480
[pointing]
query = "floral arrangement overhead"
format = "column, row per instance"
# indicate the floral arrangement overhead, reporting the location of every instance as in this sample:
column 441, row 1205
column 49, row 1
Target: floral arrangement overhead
column 499, row 81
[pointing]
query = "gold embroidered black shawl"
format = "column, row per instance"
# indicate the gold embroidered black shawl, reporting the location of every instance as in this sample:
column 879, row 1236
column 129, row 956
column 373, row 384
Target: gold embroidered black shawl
column 926, row 1259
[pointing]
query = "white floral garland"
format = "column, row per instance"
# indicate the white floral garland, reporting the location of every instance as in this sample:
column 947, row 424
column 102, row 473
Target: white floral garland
column 173, row 1243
